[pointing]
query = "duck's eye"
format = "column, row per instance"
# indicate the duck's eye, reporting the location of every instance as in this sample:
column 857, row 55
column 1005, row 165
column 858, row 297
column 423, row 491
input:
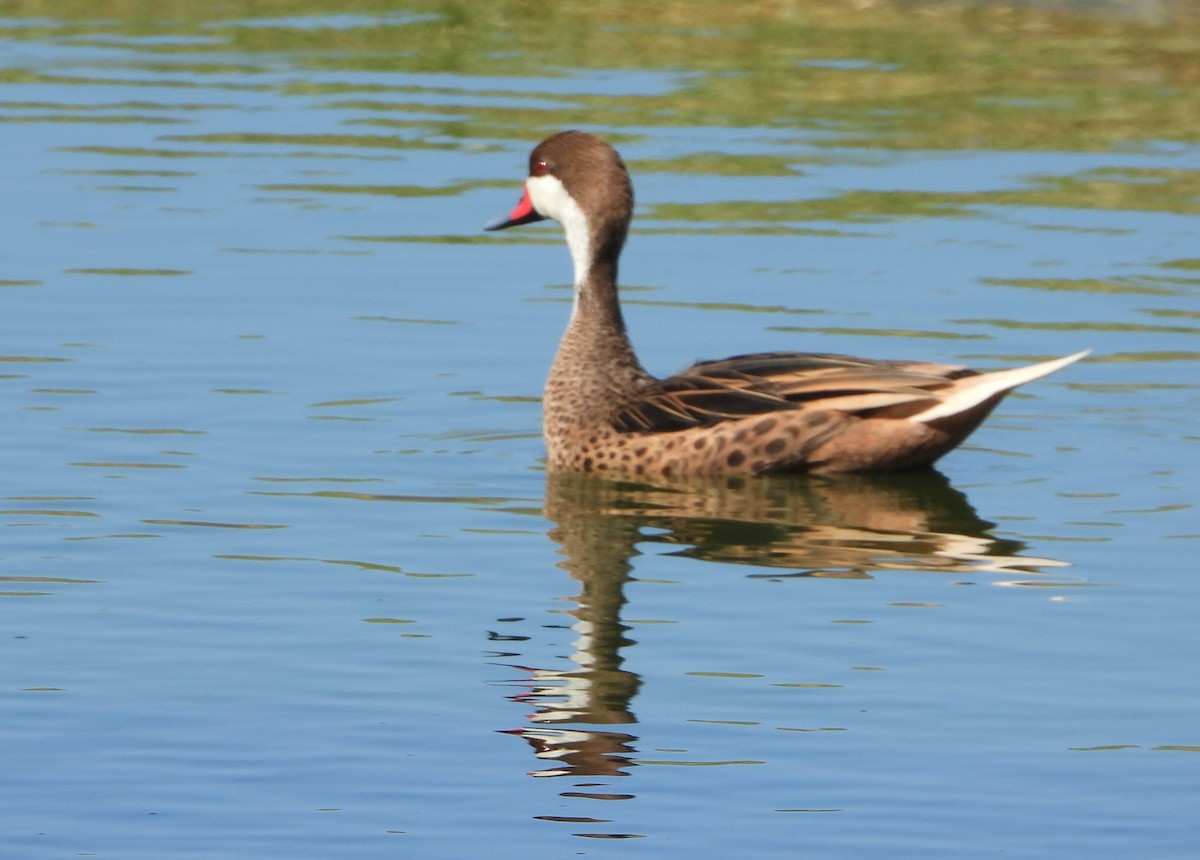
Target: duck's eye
column 540, row 168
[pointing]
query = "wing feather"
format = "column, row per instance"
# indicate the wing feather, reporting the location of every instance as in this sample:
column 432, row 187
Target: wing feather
column 742, row 386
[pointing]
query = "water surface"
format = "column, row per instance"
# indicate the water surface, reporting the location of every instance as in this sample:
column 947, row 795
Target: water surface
column 281, row 572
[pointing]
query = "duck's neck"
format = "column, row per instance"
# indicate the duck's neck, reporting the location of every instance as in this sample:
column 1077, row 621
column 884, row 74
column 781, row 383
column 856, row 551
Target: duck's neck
column 597, row 298
column 596, row 368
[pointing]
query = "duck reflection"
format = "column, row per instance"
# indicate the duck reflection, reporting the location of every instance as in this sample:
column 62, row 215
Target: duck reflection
column 790, row 526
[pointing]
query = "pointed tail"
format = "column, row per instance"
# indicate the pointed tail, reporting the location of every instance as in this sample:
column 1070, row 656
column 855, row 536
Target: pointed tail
column 970, row 391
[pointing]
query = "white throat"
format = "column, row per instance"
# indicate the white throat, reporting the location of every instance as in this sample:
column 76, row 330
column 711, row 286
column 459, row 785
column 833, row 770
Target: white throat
column 551, row 199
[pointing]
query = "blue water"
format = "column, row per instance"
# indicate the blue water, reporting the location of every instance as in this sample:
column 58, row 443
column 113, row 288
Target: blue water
column 282, row 574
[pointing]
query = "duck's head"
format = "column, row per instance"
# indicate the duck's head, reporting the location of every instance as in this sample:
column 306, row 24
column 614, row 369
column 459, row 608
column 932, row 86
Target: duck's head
column 581, row 182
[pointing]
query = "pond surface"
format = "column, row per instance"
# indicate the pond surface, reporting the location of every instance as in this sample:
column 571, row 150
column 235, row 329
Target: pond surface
column 282, row 574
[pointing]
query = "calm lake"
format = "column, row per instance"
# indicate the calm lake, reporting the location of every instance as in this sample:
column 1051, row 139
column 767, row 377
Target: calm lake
column 282, row 573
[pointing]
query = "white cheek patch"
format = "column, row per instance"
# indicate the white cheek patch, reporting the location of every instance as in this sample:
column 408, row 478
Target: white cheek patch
column 551, row 199
column 548, row 195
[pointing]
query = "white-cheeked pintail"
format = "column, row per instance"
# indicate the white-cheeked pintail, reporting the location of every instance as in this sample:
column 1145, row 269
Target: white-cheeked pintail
column 750, row 414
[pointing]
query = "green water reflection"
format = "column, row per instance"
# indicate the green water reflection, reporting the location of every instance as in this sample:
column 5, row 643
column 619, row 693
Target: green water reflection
column 878, row 76
column 901, row 75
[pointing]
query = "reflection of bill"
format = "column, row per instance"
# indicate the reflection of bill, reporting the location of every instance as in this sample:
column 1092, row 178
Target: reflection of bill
column 848, row 527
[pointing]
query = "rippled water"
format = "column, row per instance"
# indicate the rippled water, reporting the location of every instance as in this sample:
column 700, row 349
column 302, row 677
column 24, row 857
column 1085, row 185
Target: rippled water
column 280, row 571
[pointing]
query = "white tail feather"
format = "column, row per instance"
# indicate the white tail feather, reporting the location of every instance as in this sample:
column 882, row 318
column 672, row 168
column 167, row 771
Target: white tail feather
column 973, row 390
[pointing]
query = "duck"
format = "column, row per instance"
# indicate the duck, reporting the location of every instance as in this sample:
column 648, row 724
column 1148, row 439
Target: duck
column 753, row 414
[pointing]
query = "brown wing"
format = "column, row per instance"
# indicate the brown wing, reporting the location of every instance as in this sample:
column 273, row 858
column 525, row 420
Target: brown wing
column 714, row 391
